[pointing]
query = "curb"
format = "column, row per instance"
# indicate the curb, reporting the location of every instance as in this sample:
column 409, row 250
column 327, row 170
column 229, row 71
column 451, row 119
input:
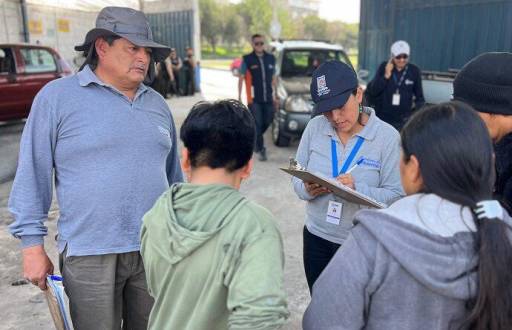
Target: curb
column 218, row 69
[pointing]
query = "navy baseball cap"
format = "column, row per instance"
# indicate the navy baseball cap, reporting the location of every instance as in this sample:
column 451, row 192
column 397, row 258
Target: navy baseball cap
column 331, row 86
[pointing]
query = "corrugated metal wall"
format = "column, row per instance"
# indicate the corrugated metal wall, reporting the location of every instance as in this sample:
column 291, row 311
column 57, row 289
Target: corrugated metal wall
column 443, row 34
column 174, row 29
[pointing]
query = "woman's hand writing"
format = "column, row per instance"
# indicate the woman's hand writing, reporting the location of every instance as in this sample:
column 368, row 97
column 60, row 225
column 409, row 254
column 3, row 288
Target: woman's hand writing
column 347, row 180
column 314, row 189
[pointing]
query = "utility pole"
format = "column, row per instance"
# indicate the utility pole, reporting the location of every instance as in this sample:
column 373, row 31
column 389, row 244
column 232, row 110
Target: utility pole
column 24, row 18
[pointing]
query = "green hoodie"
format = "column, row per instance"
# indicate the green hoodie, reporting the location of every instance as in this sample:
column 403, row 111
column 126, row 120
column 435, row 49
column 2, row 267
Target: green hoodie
column 213, row 260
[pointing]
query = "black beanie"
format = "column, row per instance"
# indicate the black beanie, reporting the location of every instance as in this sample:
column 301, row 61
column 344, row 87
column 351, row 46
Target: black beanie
column 485, row 83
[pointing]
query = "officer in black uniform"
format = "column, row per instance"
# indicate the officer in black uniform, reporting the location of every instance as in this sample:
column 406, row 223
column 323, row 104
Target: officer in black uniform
column 396, row 86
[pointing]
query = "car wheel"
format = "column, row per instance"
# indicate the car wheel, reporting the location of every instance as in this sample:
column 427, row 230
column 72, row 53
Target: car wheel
column 277, row 136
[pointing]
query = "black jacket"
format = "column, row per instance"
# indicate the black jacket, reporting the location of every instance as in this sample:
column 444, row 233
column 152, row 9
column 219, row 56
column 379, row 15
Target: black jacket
column 380, row 94
column 503, row 189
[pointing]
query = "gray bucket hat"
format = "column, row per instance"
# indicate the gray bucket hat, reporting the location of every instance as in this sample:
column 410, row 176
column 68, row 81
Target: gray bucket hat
column 126, row 23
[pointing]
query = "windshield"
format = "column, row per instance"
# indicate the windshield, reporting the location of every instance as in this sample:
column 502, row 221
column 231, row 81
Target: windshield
column 302, row 62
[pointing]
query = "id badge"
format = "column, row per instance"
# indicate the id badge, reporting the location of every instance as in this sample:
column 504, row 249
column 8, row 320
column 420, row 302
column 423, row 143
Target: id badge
column 334, row 212
column 396, row 99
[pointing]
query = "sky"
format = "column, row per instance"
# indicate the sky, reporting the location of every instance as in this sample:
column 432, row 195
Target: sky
column 342, row 10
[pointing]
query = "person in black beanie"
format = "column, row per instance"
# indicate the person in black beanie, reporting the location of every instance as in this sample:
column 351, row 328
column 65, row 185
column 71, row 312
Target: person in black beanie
column 485, row 83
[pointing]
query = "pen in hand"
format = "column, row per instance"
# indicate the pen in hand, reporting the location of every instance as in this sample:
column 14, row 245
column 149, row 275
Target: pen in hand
column 359, row 162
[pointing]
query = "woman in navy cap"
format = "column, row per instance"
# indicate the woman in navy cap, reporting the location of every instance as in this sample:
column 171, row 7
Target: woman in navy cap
column 344, row 134
column 437, row 259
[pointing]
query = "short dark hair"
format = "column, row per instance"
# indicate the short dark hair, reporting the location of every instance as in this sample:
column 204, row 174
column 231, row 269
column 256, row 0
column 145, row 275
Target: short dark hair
column 110, row 39
column 219, row 135
column 256, row 35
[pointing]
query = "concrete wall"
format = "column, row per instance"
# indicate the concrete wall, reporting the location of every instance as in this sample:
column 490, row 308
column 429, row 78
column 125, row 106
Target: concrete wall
column 11, row 25
column 43, row 22
column 74, row 27
column 62, row 28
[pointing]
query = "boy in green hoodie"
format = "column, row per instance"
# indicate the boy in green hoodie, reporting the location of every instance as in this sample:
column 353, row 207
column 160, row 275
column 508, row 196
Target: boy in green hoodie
column 213, row 259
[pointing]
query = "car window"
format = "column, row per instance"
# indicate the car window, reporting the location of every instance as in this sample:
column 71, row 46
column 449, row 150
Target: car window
column 304, row 62
column 6, row 61
column 38, row 60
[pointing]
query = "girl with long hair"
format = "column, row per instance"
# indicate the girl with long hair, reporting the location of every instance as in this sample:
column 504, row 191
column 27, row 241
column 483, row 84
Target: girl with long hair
column 439, row 258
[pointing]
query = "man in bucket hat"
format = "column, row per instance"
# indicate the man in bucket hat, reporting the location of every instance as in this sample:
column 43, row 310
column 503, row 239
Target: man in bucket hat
column 110, row 143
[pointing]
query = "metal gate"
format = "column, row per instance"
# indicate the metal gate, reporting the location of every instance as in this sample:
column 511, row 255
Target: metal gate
column 173, row 29
column 443, row 34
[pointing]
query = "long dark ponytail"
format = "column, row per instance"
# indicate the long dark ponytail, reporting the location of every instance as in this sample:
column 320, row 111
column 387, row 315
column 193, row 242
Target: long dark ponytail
column 455, row 154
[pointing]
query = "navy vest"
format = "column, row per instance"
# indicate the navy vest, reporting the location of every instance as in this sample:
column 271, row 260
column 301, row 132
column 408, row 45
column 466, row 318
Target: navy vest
column 261, row 77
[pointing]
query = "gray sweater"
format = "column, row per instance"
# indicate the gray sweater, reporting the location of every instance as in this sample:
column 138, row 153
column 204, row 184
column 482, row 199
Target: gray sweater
column 111, row 158
column 378, row 176
column 405, row 267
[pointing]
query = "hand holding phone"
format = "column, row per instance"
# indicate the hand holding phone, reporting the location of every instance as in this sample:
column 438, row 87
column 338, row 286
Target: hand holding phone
column 389, row 68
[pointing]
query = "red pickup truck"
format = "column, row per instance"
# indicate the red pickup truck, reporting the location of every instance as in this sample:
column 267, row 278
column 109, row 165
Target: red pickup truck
column 24, row 70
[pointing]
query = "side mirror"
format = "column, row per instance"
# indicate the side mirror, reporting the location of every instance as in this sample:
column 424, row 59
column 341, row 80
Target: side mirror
column 363, row 74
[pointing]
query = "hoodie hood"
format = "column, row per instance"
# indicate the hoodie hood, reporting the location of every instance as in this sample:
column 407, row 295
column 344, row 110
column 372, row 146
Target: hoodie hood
column 188, row 216
column 432, row 239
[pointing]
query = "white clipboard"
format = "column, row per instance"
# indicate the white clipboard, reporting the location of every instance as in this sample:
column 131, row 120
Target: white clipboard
column 55, row 296
column 337, row 188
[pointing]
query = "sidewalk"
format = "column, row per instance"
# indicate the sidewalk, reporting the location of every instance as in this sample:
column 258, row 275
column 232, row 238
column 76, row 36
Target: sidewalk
column 24, row 306
column 220, row 64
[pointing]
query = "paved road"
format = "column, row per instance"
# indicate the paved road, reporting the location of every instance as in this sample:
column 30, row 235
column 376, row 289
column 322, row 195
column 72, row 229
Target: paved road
column 272, row 188
column 10, row 133
column 26, row 308
column 219, row 84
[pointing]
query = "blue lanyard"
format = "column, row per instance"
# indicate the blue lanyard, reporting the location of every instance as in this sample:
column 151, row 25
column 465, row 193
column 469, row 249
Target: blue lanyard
column 349, row 160
column 399, row 83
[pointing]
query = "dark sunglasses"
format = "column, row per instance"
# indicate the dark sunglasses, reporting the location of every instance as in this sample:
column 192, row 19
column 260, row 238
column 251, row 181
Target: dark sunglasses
column 259, row 43
column 402, row 57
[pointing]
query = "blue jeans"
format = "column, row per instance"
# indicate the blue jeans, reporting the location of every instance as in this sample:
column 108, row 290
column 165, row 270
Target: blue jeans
column 263, row 114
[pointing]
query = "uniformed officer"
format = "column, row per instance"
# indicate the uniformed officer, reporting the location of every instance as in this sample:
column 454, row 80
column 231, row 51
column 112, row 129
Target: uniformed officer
column 258, row 71
column 396, row 88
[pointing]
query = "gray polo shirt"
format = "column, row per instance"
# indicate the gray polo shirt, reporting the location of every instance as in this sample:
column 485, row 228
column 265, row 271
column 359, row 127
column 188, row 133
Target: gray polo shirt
column 377, row 177
column 112, row 157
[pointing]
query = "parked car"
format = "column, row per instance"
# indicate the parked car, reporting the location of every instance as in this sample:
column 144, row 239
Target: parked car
column 295, row 62
column 235, row 66
column 24, row 70
column 438, row 86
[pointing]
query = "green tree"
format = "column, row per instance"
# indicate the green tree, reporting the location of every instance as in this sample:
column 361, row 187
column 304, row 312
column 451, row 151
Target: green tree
column 232, row 29
column 315, row 27
column 257, row 15
column 344, row 34
column 211, row 22
column 289, row 28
